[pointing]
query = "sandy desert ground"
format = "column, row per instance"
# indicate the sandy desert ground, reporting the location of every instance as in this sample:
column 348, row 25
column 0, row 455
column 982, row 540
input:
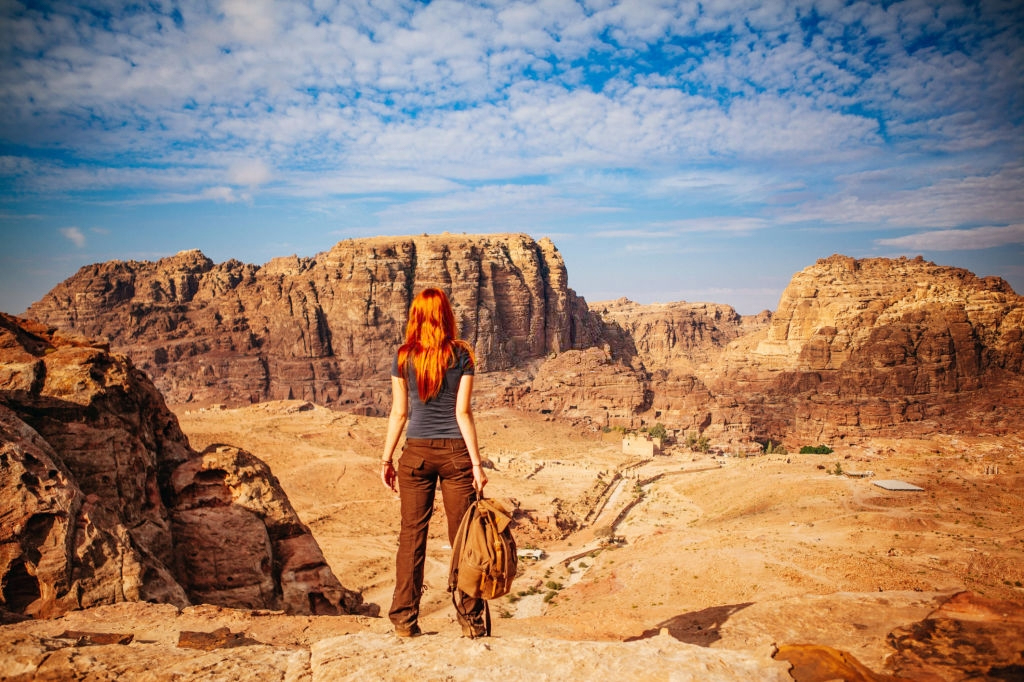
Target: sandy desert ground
column 724, row 552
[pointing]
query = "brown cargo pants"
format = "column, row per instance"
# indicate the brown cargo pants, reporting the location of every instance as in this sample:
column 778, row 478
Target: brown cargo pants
column 423, row 463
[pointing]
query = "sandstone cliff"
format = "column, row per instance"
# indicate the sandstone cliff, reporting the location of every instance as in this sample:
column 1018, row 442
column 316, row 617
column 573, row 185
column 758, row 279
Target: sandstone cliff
column 104, row 501
column 857, row 347
column 679, row 337
column 869, row 347
column 879, row 347
column 323, row 328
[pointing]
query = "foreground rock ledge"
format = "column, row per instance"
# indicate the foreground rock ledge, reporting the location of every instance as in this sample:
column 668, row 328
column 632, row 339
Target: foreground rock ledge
column 368, row 656
column 377, row 655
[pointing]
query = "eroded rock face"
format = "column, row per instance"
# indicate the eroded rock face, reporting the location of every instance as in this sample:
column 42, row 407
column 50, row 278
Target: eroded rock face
column 321, row 328
column 589, row 386
column 968, row 637
column 880, row 347
column 677, row 345
column 678, row 337
column 857, row 348
column 245, row 545
column 90, row 457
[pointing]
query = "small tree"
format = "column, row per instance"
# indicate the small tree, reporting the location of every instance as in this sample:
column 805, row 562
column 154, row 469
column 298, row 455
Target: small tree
column 658, row 431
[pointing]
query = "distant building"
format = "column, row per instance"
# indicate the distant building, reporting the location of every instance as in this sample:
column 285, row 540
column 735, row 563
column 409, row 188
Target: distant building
column 641, row 445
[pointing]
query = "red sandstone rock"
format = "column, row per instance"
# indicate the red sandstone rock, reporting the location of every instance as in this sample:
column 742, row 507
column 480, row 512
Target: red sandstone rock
column 879, row 347
column 588, row 386
column 874, row 347
column 105, row 501
column 322, row 328
column 246, row 546
column 968, row 637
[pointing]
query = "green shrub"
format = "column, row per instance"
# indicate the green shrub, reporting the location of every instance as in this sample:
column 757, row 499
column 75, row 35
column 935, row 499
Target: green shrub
column 658, row 431
column 771, row 448
column 698, row 442
column 815, row 450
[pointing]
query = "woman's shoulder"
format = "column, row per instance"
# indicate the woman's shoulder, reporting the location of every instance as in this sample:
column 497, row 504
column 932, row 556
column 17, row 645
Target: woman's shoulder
column 464, row 357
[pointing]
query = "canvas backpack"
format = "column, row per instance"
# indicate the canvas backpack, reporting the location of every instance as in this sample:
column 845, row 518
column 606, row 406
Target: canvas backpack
column 484, row 560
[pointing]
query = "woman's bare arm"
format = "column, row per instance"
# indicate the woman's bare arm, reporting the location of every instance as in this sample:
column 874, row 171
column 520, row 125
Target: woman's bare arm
column 467, row 426
column 396, row 425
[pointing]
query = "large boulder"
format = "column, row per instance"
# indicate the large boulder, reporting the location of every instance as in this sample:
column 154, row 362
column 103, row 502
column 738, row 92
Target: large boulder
column 90, row 455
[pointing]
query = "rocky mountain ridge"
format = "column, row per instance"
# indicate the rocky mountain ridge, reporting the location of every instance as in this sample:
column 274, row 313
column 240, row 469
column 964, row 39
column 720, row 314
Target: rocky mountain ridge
column 856, row 347
column 322, row 328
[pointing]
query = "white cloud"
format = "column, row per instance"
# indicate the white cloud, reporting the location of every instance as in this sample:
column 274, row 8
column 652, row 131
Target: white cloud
column 225, row 194
column 250, row 21
column 393, row 98
column 251, row 172
column 934, row 196
column 959, row 240
column 74, row 235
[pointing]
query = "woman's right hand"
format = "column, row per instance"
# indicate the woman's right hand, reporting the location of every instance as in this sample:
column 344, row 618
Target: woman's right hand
column 479, row 478
column 388, row 475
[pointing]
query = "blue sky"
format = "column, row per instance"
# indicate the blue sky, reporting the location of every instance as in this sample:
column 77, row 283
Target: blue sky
column 672, row 150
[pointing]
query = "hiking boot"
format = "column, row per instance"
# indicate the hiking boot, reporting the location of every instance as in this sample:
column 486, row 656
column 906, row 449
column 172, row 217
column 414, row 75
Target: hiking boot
column 411, row 631
column 474, row 631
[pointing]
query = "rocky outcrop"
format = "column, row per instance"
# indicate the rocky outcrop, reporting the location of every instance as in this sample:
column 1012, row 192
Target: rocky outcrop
column 675, row 345
column 678, row 337
column 968, row 637
column 244, row 544
column 91, row 459
column 588, row 386
column 322, row 328
column 878, row 347
column 874, row 347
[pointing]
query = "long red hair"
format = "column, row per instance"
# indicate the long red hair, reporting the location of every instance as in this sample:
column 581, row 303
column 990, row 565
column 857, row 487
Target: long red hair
column 430, row 339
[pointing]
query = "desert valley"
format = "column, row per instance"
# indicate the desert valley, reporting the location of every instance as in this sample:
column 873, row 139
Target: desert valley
column 190, row 473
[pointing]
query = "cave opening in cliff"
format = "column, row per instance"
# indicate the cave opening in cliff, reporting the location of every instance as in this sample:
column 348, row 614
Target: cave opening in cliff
column 20, row 588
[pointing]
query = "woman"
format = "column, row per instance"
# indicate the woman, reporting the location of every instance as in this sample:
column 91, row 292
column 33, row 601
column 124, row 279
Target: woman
column 431, row 389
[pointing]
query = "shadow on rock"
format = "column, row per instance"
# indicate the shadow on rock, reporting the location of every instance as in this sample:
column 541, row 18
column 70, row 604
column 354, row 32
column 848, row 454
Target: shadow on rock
column 697, row 627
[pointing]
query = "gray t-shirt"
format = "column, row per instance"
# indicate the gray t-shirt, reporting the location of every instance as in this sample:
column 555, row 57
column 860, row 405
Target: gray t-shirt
column 436, row 417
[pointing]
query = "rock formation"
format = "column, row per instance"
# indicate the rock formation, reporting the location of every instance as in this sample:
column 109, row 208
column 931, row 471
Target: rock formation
column 588, row 386
column 105, row 501
column 323, row 328
column 678, row 337
column 856, row 347
column 676, row 344
column 879, row 347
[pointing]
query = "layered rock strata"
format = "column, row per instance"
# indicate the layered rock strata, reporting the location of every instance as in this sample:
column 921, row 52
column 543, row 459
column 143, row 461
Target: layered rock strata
column 677, row 338
column 677, row 346
column 105, row 501
column 878, row 347
column 873, row 347
column 322, row 328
